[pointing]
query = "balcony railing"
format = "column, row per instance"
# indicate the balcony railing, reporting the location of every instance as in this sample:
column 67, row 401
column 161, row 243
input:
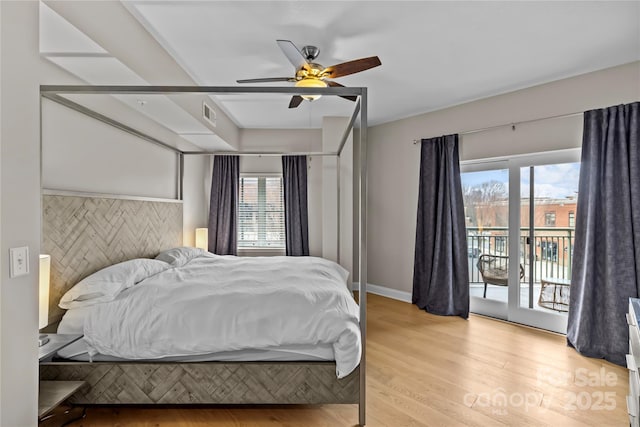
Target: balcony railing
column 553, row 250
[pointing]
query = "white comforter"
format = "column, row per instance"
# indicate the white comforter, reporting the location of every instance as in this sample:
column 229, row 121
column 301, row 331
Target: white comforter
column 222, row 303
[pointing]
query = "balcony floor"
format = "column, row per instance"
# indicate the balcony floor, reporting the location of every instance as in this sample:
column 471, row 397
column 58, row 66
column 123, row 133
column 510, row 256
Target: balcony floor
column 499, row 293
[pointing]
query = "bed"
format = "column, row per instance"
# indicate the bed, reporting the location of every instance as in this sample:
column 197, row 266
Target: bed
column 191, row 305
column 126, row 304
column 87, row 232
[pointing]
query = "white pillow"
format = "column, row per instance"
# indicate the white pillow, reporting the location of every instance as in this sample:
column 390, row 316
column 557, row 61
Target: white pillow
column 73, row 320
column 178, row 257
column 104, row 285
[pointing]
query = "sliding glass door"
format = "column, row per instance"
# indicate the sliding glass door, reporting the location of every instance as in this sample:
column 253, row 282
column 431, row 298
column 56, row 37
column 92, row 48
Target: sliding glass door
column 485, row 190
column 520, row 217
column 548, row 206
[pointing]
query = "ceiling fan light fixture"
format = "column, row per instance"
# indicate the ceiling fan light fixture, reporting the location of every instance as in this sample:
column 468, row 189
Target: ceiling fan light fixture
column 309, row 74
column 311, row 83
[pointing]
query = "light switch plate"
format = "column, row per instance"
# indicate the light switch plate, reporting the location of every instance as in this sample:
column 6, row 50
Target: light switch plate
column 19, row 261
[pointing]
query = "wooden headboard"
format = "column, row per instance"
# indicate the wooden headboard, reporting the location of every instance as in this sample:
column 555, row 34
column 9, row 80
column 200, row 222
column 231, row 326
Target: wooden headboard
column 84, row 234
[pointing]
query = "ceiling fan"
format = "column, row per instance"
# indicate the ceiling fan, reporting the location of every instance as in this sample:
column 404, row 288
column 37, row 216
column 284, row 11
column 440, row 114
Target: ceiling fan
column 311, row 74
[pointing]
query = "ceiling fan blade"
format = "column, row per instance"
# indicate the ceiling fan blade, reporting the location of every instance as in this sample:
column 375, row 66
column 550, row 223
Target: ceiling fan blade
column 293, row 54
column 351, row 67
column 349, row 97
column 295, row 101
column 267, row 80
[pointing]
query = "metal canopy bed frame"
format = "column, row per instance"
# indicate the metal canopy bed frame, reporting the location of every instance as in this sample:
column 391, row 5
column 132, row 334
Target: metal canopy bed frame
column 146, row 382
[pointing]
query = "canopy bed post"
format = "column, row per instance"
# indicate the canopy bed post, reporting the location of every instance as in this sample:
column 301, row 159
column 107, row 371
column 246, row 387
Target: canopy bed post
column 338, row 218
column 350, row 390
column 180, row 176
column 362, row 252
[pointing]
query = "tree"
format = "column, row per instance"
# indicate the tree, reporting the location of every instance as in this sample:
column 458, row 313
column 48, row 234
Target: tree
column 487, row 204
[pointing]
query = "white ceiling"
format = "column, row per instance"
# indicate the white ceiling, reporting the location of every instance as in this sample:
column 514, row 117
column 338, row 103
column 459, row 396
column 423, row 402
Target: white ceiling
column 434, row 54
column 72, row 50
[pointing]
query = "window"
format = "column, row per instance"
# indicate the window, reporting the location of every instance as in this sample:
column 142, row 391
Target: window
column 572, row 219
column 261, row 212
column 549, row 251
column 550, row 219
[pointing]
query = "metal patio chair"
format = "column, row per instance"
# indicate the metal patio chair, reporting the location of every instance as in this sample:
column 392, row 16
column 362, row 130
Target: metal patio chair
column 494, row 270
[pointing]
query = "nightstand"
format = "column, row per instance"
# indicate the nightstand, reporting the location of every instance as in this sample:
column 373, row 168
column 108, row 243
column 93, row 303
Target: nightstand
column 56, row 342
column 52, row 393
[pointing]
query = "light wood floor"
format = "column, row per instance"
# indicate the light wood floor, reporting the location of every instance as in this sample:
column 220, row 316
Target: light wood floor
column 426, row 370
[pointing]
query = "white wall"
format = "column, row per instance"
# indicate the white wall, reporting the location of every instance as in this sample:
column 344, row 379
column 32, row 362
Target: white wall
column 20, row 211
column 394, row 161
column 195, row 197
column 346, row 207
column 314, row 204
column 82, row 154
column 355, row 206
column 333, row 129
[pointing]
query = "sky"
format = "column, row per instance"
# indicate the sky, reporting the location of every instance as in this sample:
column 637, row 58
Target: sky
column 554, row 181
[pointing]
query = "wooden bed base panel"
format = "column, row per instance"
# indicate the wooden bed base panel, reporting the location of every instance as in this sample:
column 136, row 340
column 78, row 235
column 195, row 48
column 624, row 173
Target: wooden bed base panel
column 206, row 383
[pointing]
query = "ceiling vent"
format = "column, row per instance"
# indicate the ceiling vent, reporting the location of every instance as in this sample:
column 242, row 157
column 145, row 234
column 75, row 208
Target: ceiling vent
column 209, row 114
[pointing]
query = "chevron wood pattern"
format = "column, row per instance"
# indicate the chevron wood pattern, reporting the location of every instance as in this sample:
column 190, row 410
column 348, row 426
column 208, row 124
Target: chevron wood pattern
column 206, row 383
column 86, row 234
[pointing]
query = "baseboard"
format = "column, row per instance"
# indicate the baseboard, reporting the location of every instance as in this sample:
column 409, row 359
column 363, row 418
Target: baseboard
column 385, row 292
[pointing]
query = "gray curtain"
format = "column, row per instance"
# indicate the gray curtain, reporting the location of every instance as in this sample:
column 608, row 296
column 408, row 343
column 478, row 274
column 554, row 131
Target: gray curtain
column 606, row 262
column 440, row 269
column 223, row 208
column 294, row 173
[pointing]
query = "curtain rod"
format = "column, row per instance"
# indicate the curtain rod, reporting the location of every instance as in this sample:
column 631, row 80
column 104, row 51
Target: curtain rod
column 514, row 124
column 258, row 153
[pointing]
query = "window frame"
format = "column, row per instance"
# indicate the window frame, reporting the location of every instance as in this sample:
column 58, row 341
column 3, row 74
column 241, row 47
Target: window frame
column 550, row 215
column 513, row 310
column 261, row 247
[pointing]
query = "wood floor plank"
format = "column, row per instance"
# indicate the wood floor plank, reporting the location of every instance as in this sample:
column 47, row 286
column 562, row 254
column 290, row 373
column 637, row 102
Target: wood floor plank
column 427, row 370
